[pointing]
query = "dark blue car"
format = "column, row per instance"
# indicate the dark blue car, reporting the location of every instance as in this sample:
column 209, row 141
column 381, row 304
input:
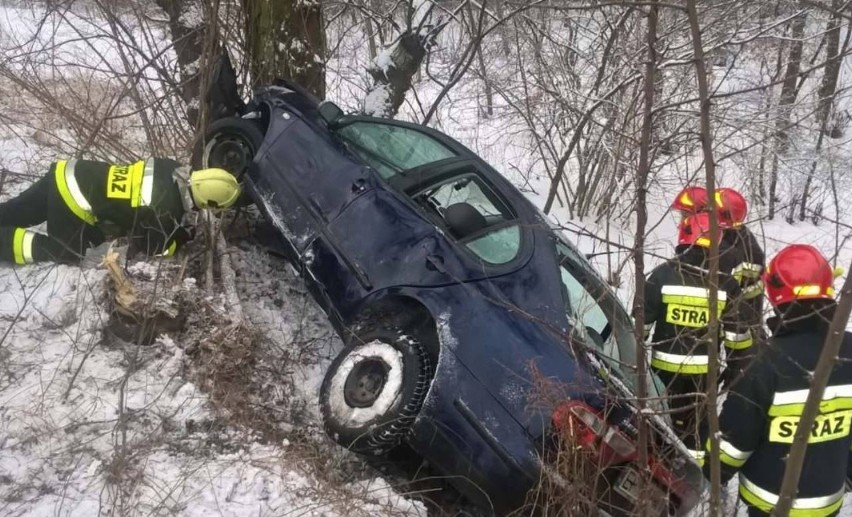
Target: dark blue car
column 458, row 303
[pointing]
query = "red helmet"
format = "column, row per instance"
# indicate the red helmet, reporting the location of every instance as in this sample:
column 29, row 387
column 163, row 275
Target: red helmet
column 798, row 272
column 691, row 200
column 695, row 230
column 732, row 207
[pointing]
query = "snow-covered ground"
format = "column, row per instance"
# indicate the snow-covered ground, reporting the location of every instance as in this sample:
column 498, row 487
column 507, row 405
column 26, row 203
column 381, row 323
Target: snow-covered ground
column 92, row 424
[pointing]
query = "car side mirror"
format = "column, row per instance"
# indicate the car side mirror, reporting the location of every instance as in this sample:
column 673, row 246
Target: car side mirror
column 330, row 113
column 596, row 337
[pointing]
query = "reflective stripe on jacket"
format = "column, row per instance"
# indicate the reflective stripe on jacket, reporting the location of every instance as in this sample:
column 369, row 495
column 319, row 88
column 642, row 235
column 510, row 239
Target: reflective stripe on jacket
column 69, row 190
column 22, row 246
column 760, row 416
column 677, row 303
column 142, row 200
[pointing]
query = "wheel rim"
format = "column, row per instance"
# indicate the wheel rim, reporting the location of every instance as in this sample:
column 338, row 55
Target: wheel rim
column 384, row 364
column 229, row 152
column 365, row 383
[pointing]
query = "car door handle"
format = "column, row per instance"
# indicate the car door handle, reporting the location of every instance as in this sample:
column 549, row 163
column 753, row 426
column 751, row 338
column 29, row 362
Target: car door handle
column 358, row 185
column 435, row 263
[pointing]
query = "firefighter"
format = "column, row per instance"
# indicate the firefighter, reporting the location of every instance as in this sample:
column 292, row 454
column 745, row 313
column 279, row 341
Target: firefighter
column 689, row 201
column 86, row 202
column 759, row 417
column 743, row 257
column 677, row 307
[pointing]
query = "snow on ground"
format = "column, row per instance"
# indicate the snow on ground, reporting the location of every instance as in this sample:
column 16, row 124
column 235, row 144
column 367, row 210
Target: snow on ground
column 92, row 424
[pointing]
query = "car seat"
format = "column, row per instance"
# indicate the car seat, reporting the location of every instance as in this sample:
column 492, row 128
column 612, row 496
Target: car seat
column 464, row 220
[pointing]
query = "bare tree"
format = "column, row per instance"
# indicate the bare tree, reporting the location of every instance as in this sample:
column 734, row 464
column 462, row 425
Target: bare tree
column 393, row 69
column 706, row 136
column 827, row 92
column 187, row 24
column 642, row 174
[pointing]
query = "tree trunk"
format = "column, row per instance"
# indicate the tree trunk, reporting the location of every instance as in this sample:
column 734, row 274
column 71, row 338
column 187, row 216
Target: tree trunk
column 395, row 67
column 371, row 36
column 188, row 32
column 489, row 93
column 827, row 91
column 713, row 325
column 285, row 39
column 785, row 104
column 642, row 174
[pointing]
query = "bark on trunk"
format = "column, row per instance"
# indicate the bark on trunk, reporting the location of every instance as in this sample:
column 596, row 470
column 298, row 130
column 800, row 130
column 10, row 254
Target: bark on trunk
column 187, row 27
column 827, row 91
column 285, row 39
column 394, row 69
column 789, row 92
column 642, row 173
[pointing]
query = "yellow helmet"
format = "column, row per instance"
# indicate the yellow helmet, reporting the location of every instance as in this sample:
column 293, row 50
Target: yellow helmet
column 214, row 188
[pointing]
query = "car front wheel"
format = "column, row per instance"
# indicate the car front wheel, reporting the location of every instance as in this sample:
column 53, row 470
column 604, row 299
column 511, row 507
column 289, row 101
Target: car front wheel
column 230, row 143
column 374, row 390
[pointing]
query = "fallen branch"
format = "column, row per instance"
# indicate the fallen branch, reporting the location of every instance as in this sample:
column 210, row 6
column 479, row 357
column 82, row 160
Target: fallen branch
column 228, row 278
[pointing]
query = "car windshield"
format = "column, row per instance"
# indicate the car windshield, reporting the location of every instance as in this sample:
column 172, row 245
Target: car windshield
column 599, row 318
column 391, row 149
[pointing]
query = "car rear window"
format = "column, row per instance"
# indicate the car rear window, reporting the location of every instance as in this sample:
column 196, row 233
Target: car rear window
column 392, row 149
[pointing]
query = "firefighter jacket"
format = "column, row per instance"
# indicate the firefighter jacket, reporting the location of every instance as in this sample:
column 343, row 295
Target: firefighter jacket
column 145, row 201
column 744, row 260
column 677, row 307
column 759, row 418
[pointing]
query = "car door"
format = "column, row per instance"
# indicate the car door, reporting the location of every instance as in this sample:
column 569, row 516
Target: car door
column 398, row 235
column 305, row 177
column 342, row 259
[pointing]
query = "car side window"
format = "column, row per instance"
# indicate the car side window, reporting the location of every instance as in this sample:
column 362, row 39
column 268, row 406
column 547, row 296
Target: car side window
column 470, row 211
column 584, row 308
column 392, row 149
column 499, row 246
column 604, row 322
column 591, row 306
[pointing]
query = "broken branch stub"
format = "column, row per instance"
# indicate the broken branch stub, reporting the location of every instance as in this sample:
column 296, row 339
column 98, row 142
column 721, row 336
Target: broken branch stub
column 394, row 68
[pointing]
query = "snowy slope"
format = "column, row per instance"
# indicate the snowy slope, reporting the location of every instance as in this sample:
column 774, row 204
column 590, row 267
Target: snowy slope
column 92, row 424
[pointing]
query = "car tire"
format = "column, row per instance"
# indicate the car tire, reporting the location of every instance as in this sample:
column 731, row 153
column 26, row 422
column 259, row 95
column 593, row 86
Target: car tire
column 374, row 390
column 230, row 143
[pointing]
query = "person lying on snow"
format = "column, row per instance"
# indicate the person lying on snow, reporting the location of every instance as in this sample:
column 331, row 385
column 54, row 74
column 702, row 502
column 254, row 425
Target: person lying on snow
column 87, row 202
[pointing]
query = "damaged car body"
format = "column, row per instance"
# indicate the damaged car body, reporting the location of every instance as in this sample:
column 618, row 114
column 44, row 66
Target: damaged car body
column 455, row 299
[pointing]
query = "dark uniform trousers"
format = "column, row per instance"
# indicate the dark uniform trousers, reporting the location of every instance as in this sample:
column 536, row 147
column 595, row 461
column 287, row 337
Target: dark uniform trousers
column 80, row 199
column 67, row 237
column 761, row 413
